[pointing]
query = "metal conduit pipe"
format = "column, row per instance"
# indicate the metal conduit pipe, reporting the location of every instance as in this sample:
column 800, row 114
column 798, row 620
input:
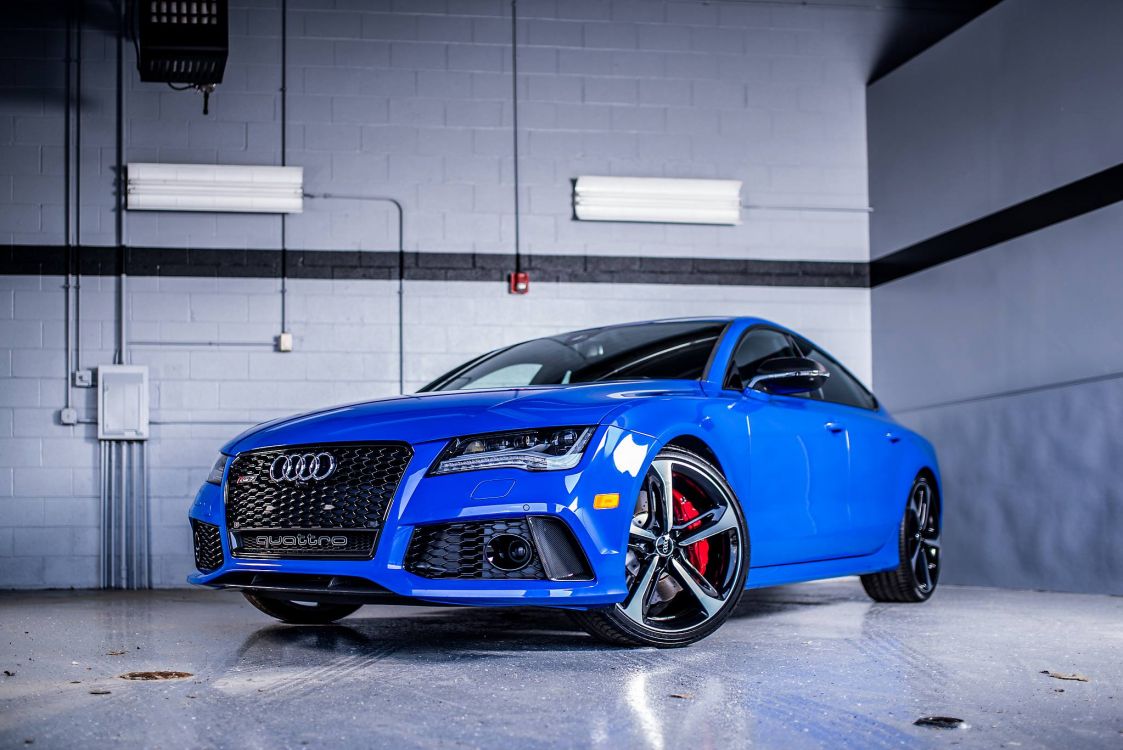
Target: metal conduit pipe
column 67, row 208
column 146, row 525
column 126, row 560
column 284, row 160
column 174, row 343
column 401, row 266
column 812, row 209
column 515, row 129
column 78, row 193
column 103, row 514
column 122, row 280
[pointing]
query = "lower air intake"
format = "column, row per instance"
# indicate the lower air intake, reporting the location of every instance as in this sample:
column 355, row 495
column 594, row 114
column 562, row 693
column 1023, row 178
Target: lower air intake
column 476, row 550
column 459, row 550
column 208, row 546
column 562, row 557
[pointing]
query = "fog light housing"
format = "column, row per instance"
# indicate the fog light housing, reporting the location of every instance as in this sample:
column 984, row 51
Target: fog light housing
column 509, row 552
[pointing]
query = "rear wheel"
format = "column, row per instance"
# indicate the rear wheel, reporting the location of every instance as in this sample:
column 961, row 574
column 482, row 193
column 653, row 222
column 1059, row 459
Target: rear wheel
column 915, row 578
column 301, row 613
column 687, row 558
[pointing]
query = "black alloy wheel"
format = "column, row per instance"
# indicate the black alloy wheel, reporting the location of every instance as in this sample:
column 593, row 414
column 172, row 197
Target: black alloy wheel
column 916, row 577
column 687, row 557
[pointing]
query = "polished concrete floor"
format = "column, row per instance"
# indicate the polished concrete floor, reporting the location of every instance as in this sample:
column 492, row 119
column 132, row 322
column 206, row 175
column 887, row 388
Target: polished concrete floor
column 800, row 666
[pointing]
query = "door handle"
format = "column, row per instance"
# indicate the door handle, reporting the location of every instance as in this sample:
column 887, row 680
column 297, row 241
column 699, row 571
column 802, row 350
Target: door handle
column 892, row 437
column 834, row 427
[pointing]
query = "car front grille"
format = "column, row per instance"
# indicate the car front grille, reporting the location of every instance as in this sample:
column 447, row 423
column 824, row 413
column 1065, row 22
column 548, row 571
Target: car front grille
column 354, row 498
column 458, row 550
column 208, row 546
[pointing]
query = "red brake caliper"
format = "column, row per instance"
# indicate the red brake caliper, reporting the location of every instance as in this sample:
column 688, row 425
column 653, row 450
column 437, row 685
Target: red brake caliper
column 699, row 552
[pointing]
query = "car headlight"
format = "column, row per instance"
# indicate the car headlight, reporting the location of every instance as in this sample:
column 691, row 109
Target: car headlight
column 219, row 467
column 533, row 450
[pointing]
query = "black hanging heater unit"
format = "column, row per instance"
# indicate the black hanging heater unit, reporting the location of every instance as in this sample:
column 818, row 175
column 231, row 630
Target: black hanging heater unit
column 183, row 42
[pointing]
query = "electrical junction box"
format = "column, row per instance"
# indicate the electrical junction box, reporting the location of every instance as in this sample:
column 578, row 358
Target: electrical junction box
column 122, row 402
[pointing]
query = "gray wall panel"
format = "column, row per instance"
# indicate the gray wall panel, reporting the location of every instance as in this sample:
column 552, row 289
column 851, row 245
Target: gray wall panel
column 1033, row 500
column 1041, row 309
column 1009, row 106
column 1009, row 359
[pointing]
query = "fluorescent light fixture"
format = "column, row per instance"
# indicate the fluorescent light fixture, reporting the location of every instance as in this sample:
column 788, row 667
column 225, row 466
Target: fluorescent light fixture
column 215, row 187
column 657, row 199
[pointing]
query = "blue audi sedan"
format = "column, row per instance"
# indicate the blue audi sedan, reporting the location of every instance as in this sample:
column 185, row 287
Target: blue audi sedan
column 641, row 476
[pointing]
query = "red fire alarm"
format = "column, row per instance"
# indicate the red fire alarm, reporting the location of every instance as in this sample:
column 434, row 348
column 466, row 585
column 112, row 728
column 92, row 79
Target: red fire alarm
column 518, row 282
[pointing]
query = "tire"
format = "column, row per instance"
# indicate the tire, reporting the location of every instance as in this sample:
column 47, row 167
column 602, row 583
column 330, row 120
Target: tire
column 299, row 613
column 679, row 591
column 918, row 572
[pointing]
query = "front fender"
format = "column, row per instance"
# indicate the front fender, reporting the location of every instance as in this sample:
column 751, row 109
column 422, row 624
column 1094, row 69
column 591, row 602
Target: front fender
column 709, row 420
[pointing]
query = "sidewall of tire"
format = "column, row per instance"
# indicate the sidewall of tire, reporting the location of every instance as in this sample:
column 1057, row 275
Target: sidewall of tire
column 900, row 584
column 636, row 634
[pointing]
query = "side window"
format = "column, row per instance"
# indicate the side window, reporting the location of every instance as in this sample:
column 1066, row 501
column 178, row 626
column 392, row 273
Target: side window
column 841, row 387
column 758, row 345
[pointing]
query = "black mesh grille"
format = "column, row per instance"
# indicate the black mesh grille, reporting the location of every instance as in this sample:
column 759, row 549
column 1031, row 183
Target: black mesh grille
column 355, row 496
column 208, row 546
column 456, row 550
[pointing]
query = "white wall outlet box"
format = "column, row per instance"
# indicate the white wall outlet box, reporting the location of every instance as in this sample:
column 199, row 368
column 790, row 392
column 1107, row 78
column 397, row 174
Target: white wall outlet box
column 84, row 378
column 657, row 199
column 215, row 187
column 284, row 342
column 122, row 402
column 68, row 416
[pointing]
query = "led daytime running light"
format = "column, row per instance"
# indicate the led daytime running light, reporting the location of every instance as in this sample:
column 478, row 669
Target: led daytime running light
column 549, row 449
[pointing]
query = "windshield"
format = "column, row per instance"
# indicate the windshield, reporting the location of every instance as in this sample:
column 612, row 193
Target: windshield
column 677, row 350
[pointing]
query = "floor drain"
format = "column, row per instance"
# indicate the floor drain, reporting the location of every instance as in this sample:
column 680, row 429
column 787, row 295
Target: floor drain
column 155, row 675
column 941, row 722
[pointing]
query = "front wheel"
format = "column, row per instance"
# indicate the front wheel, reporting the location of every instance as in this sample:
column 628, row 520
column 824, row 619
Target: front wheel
column 687, row 557
column 916, row 576
column 301, row 613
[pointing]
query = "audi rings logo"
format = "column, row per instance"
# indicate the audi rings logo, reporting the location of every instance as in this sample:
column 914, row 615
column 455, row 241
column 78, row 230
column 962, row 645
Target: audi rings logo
column 302, row 467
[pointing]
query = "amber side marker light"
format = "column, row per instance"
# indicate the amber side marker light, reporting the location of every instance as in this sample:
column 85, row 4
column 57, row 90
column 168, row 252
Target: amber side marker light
column 607, row 501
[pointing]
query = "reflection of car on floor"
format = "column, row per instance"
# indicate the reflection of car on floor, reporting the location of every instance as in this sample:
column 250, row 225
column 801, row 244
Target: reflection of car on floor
column 624, row 473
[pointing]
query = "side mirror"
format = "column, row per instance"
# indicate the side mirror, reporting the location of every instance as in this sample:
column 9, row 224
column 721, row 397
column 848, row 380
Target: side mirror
column 787, row 376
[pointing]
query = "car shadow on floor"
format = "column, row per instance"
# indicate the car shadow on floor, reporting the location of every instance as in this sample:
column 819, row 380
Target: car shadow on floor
column 444, row 633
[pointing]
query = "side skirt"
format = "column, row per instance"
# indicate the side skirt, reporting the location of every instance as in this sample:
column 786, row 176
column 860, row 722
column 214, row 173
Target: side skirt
column 776, row 575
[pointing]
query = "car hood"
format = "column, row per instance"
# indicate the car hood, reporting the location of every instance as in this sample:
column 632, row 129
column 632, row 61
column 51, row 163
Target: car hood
column 426, row 417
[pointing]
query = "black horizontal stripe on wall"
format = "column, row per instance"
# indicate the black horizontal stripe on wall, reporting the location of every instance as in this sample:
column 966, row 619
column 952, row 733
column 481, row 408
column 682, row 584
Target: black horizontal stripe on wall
column 379, row 264
column 1063, row 203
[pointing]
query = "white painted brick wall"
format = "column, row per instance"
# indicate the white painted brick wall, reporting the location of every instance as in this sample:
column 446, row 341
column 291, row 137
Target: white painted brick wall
column 413, row 103
column 345, row 350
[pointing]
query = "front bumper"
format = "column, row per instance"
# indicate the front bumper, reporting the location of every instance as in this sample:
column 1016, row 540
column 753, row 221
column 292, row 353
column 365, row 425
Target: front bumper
column 613, row 463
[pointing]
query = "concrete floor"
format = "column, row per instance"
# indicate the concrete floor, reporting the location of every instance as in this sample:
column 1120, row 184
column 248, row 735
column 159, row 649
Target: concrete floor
column 798, row 666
